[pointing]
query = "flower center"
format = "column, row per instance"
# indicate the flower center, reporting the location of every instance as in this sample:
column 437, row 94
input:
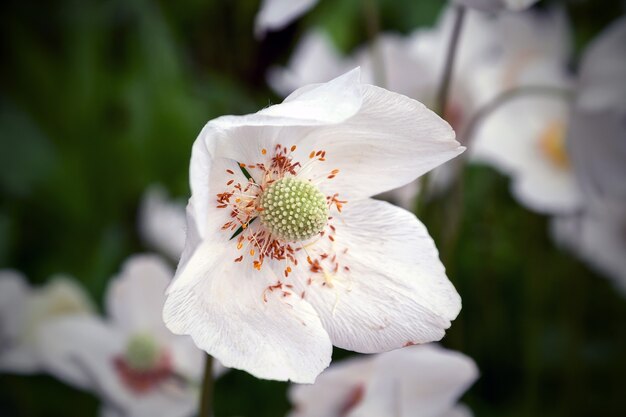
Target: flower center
column 142, row 352
column 293, row 209
column 552, row 144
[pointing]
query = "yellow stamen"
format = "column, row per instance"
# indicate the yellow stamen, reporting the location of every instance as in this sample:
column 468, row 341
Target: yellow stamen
column 552, row 144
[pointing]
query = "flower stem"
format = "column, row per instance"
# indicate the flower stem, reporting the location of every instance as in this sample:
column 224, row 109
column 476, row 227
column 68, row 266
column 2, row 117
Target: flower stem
column 372, row 26
column 448, row 69
column 451, row 236
column 442, row 93
column 206, row 401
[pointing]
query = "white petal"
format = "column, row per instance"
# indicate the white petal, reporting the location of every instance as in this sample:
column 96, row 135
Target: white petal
column 597, row 237
column 136, row 296
column 108, row 411
column 13, row 292
column 81, row 351
column 221, row 304
column 377, row 139
column 202, row 215
column 390, row 142
column 395, row 292
column 276, row 14
column 24, row 311
column 333, row 390
column 598, row 150
column 510, row 140
column 420, row 380
column 546, row 190
column 189, row 359
column 19, row 359
column 312, row 105
column 602, row 70
column 162, row 222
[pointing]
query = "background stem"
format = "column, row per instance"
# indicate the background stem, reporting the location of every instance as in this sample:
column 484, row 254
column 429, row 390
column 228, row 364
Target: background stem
column 448, row 69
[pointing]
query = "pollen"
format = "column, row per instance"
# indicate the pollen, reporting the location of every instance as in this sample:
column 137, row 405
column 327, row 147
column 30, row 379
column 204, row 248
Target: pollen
column 552, row 145
column 293, row 209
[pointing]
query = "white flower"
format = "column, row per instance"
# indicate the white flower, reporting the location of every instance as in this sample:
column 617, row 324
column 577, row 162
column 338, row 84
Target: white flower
column 24, row 310
column 597, row 147
column 494, row 5
column 162, row 222
column 129, row 359
column 418, row 381
column 321, row 263
column 276, row 14
column 525, row 137
column 598, row 237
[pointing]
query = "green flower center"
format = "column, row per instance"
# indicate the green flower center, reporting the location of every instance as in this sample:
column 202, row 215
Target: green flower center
column 142, row 352
column 293, row 209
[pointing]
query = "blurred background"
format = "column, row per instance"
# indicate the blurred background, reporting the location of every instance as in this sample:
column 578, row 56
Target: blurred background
column 101, row 99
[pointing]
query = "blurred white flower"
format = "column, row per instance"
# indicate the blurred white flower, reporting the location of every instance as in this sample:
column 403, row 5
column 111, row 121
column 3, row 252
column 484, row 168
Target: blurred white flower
column 525, row 137
column 417, row 381
column 597, row 145
column 162, row 222
column 317, row 261
column 276, row 14
column 129, row 359
column 24, row 310
column 495, row 5
column 495, row 54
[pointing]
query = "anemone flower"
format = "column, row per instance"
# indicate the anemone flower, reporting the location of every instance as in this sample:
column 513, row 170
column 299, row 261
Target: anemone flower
column 418, row 381
column 129, row 359
column 25, row 309
column 286, row 254
column 597, row 146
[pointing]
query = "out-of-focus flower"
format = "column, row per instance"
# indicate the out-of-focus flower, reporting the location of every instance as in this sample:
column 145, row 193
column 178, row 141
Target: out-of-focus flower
column 129, row 359
column 494, row 5
column 316, row 262
column 525, row 137
column 24, row 310
column 495, row 54
column 597, row 145
column 276, row 14
column 162, row 222
column 424, row 381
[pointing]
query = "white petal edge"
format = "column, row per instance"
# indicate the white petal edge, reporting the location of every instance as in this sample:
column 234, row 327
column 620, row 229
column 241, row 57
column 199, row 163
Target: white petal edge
column 395, row 292
column 220, row 304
